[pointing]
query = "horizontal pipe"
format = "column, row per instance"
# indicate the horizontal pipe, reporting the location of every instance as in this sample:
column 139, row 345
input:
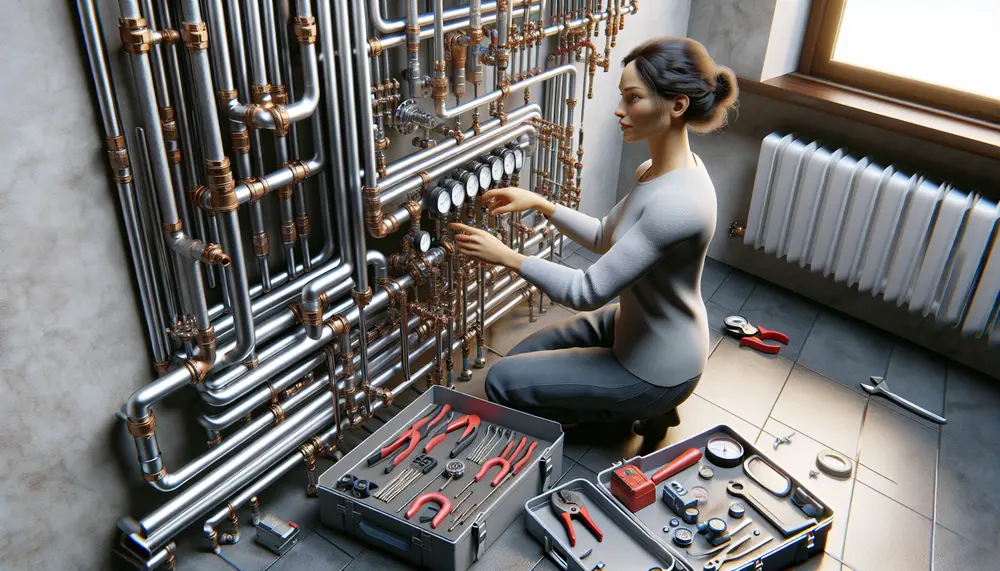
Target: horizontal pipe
column 384, row 26
column 400, row 39
column 441, row 107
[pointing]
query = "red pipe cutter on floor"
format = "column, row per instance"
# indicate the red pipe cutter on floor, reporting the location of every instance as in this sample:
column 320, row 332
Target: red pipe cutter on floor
column 754, row 335
column 568, row 504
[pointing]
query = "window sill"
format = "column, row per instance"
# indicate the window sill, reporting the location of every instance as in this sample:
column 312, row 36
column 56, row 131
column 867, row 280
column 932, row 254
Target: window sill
column 969, row 135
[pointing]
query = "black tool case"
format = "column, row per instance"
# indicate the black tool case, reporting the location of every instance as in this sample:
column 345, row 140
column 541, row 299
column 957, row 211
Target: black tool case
column 379, row 524
column 780, row 553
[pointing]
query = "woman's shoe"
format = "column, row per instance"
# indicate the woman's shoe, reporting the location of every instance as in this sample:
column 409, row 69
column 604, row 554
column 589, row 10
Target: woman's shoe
column 656, row 428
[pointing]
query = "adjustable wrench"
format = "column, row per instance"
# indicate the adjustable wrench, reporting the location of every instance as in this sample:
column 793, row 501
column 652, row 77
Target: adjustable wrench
column 880, row 386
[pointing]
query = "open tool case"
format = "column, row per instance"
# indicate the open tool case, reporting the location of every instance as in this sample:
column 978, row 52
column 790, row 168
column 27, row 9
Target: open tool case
column 780, row 552
column 380, row 524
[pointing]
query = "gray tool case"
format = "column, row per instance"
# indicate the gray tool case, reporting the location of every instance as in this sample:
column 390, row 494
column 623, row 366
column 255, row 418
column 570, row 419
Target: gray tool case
column 379, row 524
column 614, row 518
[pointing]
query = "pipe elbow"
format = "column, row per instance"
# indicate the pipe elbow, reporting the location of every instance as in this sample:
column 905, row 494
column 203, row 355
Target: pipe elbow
column 379, row 264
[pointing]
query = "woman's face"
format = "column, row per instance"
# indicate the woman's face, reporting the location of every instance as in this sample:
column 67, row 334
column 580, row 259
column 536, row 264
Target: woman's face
column 642, row 113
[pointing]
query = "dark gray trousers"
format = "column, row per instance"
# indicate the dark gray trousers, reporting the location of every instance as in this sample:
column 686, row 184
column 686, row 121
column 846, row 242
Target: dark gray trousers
column 567, row 372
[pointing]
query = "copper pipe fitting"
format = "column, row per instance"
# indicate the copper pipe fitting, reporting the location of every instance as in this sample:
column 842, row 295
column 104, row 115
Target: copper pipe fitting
column 135, row 35
column 338, row 325
column 259, row 94
column 305, row 30
column 251, row 364
column 162, row 367
column 154, row 477
column 167, row 37
column 173, row 227
column 285, row 192
column 314, row 316
column 374, row 47
column 221, row 185
column 240, row 141
column 142, row 427
column 300, row 170
column 362, row 298
column 174, row 157
column 199, row 369
column 195, row 36
column 258, row 187
column 279, row 94
column 302, row 224
column 260, row 244
column 281, row 120
column 225, row 97
column 278, row 412
column 288, row 235
column 213, row 254
column 413, row 208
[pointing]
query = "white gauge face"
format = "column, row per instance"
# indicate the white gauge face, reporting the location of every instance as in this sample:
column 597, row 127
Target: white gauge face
column 509, row 163
column 496, row 169
column 424, row 242
column 485, row 178
column 443, row 201
column 471, row 186
column 725, row 448
column 518, row 158
column 457, row 195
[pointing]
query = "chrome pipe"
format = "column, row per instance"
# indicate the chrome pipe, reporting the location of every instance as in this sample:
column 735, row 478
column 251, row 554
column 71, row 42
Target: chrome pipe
column 384, row 26
column 488, row 18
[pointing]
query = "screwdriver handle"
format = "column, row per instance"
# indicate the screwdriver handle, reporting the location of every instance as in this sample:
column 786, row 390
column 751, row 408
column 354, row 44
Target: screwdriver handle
column 689, row 458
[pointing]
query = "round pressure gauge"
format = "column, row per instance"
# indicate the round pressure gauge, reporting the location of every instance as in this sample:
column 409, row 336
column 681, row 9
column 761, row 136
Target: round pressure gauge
column 518, row 155
column 422, row 242
column 482, row 172
column 440, row 200
column 469, row 180
column 724, row 452
column 496, row 166
column 456, row 190
column 509, row 162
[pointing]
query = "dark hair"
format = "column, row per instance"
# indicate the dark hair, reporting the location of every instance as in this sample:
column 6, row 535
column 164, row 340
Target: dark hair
column 681, row 66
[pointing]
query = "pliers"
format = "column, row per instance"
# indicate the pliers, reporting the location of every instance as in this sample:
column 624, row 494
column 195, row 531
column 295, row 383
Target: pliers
column 471, row 424
column 568, row 504
column 413, row 435
column 753, row 336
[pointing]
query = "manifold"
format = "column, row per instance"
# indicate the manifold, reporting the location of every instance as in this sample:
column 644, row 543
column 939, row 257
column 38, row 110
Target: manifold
column 270, row 121
column 916, row 242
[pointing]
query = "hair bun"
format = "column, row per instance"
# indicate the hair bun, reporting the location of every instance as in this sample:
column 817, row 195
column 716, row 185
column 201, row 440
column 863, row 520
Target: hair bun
column 723, row 86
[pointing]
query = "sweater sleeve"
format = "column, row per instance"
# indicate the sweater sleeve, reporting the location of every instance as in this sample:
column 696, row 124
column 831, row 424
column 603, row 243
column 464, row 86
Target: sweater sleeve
column 592, row 233
column 637, row 252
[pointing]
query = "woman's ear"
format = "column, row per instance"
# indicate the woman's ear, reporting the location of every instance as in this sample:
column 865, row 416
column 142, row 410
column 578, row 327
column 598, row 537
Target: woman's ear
column 680, row 105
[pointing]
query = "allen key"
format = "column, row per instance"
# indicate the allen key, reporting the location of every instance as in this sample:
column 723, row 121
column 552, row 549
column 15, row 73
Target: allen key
column 491, row 432
column 489, row 452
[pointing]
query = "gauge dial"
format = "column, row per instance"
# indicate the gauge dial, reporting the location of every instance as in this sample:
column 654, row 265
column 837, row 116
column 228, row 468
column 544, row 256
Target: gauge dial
column 496, row 166
column 471, row 186
column 441, row 200
column 422, row 241
column 724, row 452
column 509, row 162
column 482, row 172
column 457, row 191
column 518, row 158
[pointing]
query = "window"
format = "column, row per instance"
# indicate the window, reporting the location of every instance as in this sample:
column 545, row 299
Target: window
column 943, row 54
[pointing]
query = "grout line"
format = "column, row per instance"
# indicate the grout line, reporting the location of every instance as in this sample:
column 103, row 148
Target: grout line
column 937, row 474
column 806, row 338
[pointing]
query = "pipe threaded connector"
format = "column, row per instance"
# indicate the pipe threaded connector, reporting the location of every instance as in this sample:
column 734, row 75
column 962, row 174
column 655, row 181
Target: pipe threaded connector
column 195, row 36
column 213, row 254
column 305, row 30
column 221, row 185
column 135, row 35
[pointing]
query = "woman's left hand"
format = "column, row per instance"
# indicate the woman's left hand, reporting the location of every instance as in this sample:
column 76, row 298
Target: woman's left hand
column 484, row 247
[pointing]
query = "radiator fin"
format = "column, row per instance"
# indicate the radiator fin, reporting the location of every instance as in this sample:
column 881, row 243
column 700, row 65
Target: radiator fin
column 922, row 244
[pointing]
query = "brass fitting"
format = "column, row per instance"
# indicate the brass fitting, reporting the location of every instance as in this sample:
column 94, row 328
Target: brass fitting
column 279, row 94
column 373, row 210
column 278, row 412
column 413, row 208
column 168, row 123
column 168, row 37
column 305, row 30
column 221, row 185
column 213, row 254
column 118, row 159
column 475, row 35
column 258, row 94
column 281, row 121
column 241, row 141
column 285, row 192
column 300, row 170
column 170, row 228
column 135, row 35
column 251, row 364
column 302, row 224
column 142, row 427
column 226, row 96
column 161, row 368
column 154, row 477
column 338, row 325
column 195, row 36
column 374, row 47
column 288, row 235
column 260, row 244
column 384, row 395
column 362, row 298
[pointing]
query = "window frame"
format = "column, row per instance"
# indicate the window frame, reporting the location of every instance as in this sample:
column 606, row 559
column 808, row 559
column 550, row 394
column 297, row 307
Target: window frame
column 816, row 60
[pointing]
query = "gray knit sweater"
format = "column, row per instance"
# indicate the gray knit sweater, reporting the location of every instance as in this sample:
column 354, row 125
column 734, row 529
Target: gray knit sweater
column 653, row 246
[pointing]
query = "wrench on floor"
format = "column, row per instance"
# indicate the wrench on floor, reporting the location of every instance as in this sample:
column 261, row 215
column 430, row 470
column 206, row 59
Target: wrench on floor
column 880, row 386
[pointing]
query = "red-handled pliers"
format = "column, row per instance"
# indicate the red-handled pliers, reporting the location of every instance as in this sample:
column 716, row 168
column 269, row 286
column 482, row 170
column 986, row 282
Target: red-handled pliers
column 413, row 435
column 568, row 504
column 471, row 424
column 753, row 336
column 430, row 497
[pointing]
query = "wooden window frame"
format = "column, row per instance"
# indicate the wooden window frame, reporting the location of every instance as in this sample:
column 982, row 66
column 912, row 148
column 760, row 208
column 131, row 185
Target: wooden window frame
column 816, row 60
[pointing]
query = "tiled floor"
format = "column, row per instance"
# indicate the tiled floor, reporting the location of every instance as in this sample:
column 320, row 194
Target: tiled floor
column 921, row 498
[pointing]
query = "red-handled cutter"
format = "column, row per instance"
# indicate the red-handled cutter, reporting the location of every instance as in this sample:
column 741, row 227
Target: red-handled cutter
column 567, row 505
column 471, row 424
column 753, row 336
column 412, row 436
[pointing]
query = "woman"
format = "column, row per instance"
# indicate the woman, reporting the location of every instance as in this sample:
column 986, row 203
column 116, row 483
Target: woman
column 639, row 359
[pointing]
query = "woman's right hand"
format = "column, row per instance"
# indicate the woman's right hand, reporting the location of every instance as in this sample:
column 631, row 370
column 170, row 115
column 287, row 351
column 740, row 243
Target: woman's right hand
column 513, row 199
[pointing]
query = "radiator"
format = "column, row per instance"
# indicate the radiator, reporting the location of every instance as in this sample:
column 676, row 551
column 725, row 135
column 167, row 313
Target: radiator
column 915, row 242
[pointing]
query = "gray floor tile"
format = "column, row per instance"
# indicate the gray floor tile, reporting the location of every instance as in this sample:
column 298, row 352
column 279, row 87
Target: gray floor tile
column 349, row 545
column 917, row 375
column 712, row 276
column 313, row 552
column 514, row 550
column 968, row 501
column 821, row 409
column 952, row 552
column 971, row 406
column 798, row 458
column 898, row 458
column 885, row 535
column 697, row 415
column 781, row 310
column 515, row 326
column 845, row 350
column 375, row 560
column 246, row 554
column 743, row 381
column 577, row 471
column 734, row 291
column 575, row 444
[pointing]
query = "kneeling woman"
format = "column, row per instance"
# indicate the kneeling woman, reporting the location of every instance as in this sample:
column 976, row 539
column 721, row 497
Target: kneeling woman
column 639, row 359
